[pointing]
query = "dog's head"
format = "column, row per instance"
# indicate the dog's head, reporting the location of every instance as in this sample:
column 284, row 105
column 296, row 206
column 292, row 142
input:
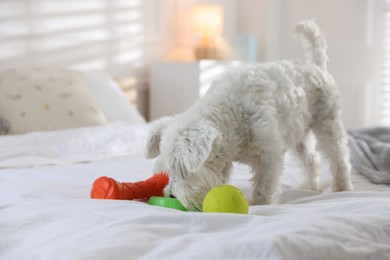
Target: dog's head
column 191, row 157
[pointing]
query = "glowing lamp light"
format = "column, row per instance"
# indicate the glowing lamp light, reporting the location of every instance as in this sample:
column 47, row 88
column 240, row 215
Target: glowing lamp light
column 207, row 22
column 208, row 19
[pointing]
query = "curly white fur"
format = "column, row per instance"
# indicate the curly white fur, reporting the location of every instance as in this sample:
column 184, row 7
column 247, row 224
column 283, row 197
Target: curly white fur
column 252, row 115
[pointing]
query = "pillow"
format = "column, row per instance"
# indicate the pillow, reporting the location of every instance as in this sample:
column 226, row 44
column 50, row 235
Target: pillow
column 110, row 98
column 46, row 99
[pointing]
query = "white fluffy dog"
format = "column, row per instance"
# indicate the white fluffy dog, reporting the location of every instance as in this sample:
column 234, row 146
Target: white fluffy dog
column 252, row 115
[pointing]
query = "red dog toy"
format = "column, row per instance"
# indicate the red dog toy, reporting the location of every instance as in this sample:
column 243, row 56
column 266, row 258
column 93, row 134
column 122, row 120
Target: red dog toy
column 108, row 188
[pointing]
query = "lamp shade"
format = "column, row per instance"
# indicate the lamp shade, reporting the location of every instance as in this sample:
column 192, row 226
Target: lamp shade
column 207, row 19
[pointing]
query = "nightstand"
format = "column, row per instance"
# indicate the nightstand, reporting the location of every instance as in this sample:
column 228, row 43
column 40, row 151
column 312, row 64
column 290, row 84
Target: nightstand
column 174, row 87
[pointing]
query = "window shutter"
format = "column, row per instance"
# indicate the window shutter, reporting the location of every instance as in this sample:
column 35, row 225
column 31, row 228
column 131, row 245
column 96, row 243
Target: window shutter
column 385, row 85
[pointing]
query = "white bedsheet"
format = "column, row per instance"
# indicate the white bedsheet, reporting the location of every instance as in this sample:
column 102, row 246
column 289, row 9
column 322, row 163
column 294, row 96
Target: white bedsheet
column 70, row 146
column 46, row 212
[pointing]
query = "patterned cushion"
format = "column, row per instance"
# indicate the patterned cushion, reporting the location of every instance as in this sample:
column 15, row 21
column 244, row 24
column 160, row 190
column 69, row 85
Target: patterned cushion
column 45, row 99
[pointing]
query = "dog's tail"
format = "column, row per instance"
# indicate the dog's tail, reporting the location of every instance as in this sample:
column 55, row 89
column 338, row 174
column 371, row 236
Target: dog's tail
column 314, row 43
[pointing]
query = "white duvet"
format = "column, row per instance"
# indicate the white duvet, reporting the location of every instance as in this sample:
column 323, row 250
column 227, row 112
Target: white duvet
column 46, row 212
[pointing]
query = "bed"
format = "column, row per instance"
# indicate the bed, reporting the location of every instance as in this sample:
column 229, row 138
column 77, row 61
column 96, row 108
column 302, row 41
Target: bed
column 46, row 212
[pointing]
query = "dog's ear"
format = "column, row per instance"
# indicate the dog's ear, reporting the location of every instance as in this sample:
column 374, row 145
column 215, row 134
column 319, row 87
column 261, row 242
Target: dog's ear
column 154, row 137
column 194, row 146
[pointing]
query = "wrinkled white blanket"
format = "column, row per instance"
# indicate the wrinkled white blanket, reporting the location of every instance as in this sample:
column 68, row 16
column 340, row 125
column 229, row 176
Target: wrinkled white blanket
column 46, row 212
column 370, row 153
column 71, row 146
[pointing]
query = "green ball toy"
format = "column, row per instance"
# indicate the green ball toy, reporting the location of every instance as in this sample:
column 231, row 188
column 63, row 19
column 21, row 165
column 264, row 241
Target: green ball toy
column 227, row 199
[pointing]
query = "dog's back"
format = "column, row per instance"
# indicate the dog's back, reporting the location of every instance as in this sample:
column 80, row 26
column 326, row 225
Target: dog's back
column 289, row 91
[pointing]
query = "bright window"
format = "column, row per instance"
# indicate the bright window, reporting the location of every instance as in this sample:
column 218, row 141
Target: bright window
column 385, row 84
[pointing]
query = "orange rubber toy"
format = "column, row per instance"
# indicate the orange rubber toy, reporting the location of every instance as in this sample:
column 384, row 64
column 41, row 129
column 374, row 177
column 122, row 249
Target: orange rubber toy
column 108, row 188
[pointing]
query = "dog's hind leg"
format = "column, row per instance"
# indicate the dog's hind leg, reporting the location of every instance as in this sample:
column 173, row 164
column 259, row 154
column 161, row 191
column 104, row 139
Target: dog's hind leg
column 306, row 152
column 332, row 141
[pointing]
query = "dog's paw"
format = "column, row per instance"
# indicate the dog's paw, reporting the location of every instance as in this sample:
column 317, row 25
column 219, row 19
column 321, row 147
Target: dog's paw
column 342, row 186
column 310, row 185
column 261, row 200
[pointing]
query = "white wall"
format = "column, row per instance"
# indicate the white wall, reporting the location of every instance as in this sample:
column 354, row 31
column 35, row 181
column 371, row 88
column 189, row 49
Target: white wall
column 252, row 20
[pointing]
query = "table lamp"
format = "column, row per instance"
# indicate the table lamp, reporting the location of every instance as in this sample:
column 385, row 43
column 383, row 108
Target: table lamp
column 207, row 21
